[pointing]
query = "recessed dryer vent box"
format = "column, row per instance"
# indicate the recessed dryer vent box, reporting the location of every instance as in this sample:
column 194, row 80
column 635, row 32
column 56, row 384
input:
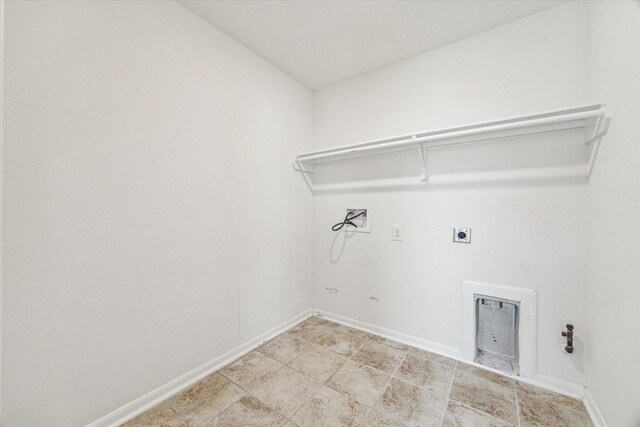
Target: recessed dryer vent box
column 497, row 332
column 363, row 222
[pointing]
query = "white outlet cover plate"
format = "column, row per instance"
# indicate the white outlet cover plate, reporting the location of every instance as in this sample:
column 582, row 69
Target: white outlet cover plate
column 396, row 233
column 364, row 228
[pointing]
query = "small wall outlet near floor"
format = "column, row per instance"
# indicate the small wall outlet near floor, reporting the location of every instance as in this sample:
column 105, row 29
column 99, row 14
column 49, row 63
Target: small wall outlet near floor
column 461, row 235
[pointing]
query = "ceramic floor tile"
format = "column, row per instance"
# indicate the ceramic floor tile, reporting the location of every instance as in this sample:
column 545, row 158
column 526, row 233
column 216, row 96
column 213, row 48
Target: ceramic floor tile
column 379, row 356
column 249, row 411
column 318, row 363
column 357, row 332
column 202, row 403
column 286, row 390
column 478, row 392
column 542, row 412
column 251, row 369
column 427, row 374
column 458, row 415
column 310, row 331
column 358, row 391
column 359, row 382
column 323, row 322
column 375, row 418
column 486, row 374
column 388, row 342
column 412, row 405
column 158, row 416
column 341, row 343
column 284, row 348
column 526, row 390
column 432, row 356
column 329, row 408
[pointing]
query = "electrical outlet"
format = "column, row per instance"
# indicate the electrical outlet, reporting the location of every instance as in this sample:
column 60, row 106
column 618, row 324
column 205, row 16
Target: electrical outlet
column 396, row 233
column 362, row 222
column 462, row 235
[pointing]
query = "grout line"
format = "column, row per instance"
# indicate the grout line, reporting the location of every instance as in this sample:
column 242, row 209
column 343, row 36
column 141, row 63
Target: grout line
column 304, row 403
column 253, row 395
column 350, row 358
column 384, row 389
column 435, row 361
column 455, row 368
column 337, row 370
column 408, row 353
column 283, row 365
column 446, row 402
column 323, row 384
column 393, row 375
column 172, row 410
column 515, row 377
column 363, row 341
column 219, row 371
column 224, row 408
column 479, row 411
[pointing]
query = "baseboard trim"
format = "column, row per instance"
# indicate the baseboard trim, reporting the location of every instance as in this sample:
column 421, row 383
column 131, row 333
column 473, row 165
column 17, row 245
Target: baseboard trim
column 593, row 410
column 546, row 382
column 163, row 392
column 411, row 340
column 555, row 385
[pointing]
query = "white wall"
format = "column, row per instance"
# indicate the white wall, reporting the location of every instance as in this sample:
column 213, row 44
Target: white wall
column 613, row 371
column 1, row 144
column 151, row 219
column 139, row 142
column 529, row 236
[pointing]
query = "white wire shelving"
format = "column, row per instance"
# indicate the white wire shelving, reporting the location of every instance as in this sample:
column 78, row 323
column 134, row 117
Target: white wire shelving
column 592, row 118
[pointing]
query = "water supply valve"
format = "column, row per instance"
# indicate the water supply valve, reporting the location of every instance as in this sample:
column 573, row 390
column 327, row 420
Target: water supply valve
column 569, row 334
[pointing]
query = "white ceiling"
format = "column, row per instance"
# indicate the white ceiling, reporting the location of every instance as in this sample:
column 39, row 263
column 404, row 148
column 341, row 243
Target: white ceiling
column 320, row 43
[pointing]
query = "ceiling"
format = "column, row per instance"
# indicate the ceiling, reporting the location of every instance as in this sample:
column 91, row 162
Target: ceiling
column 320, row 43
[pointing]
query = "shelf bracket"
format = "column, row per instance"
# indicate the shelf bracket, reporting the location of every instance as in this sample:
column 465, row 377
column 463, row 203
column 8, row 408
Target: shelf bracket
column 596, row 137
column 422, row 148
column 604, row 125
column 306, row 174
column 299, row 168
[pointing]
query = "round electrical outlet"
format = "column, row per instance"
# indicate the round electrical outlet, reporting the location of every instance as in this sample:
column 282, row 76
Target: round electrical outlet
column 461, row 235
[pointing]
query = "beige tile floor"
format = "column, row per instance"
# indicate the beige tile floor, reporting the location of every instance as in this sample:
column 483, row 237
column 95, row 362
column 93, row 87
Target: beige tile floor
column 320, row 373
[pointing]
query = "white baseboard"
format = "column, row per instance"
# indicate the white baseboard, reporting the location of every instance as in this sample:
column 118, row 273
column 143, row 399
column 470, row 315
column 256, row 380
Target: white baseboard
column 555, row 385
column 160, row 394
column 549, row 383
column 411, row 340
column 592, row 409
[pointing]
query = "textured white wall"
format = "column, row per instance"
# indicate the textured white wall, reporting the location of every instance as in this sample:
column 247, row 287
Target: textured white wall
column 529, row 236
column 151, row 219
column 1, row 139
column 613, row 371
